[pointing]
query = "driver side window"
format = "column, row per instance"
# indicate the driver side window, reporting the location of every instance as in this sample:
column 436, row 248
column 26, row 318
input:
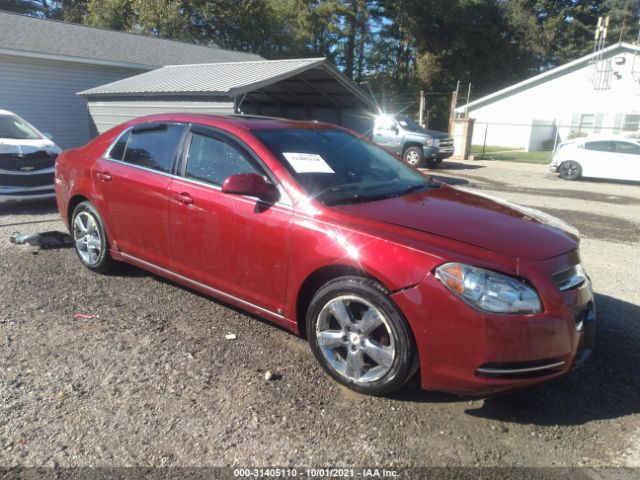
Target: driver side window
column 627, row 148
column 386, row 124
column 212, row 161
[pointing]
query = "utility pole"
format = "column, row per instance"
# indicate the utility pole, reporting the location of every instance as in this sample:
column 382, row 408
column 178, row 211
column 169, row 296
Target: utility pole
column 466, row 108
column 421, row 117
column 454, row 104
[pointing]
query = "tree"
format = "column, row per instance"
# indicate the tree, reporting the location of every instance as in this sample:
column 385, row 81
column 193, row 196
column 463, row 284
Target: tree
column 37, row 8
column 111, row 14
column 74, row 11
column 162, row 18
column 624, row 19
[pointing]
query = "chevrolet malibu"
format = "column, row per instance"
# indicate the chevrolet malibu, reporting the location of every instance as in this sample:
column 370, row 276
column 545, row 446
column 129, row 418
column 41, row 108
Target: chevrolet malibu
column 386, row 272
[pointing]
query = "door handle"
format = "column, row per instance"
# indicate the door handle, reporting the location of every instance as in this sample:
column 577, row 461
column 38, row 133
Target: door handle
column 184, row 198
column 104, row 176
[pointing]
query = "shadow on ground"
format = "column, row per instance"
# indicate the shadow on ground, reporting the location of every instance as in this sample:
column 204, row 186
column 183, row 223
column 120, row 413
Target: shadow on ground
column 450, row 180
column 450, row 165
column 29, row 207
column 605, row 387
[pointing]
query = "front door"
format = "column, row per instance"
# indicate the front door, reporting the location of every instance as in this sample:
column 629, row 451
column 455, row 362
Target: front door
column 386, row 133
column 601, row 160
column 236, row 244
column 630, row 157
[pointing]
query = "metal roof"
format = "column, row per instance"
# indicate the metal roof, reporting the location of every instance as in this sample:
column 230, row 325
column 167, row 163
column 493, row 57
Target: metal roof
column 306, row 81
column 31, row 36
column 612, row 49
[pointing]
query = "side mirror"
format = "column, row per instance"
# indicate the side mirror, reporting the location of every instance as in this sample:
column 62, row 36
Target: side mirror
column 252, row 185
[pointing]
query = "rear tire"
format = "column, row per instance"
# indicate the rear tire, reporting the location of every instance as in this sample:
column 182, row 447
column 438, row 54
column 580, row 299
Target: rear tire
column 90, row 238
column 360, row 337
column 570, row 170
column 413, row 156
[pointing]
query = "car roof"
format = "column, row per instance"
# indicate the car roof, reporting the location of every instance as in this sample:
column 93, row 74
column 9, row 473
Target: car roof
column 6, row 112
column 603, row 138
column 246, row 122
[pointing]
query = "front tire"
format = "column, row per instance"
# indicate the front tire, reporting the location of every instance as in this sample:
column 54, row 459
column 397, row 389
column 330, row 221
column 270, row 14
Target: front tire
column 360, row 337
column 90, row 238
column 570, row 170
column 414, row 156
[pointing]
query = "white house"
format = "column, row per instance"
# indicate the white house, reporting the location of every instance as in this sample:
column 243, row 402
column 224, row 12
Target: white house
column 598, row 93
column 44, row 63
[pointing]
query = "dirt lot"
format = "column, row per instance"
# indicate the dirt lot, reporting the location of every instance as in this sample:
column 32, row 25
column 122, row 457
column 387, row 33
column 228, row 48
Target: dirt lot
column 151, row 379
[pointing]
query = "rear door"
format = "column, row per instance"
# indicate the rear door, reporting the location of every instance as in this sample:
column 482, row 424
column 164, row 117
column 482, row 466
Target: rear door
column 629, row 153
column 233, row 243
column 132, row 180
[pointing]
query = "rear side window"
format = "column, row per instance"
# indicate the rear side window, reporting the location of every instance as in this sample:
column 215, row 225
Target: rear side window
column 117, row 151
column 598, row 146
column 212, row 161
column 154, row 148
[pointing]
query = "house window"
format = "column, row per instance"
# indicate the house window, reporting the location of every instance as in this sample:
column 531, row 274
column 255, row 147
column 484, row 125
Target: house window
column 631, row 122
column 587, row 122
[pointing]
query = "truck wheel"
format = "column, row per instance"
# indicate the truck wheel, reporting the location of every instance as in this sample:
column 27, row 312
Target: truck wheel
column 413, row 156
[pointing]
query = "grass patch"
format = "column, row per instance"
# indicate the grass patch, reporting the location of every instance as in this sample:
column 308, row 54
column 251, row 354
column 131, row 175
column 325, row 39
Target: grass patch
column 506, row 154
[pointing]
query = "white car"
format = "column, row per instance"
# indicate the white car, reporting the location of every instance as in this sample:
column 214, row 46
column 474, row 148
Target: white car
column 616, row 158
column 27, row 159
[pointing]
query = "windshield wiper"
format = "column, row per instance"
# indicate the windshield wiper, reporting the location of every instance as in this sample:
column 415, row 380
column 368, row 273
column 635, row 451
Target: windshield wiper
column 356, row 198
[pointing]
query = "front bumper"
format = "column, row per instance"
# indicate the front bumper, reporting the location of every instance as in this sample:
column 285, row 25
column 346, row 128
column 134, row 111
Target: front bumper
column 466, row 351
column 553, row 168
column 25, row 193
column 437, row 152
column 26, row 185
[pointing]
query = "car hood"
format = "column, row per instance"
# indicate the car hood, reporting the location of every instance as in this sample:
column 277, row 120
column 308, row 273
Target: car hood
column 479, row 220
column 13, row 145
column 428, row 133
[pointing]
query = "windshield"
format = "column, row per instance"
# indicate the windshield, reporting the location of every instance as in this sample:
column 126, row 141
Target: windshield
column 15, row 128
column 336, row 167
column 409, row 124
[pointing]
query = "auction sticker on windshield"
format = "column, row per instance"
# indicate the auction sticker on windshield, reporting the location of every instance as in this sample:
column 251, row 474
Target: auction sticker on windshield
column 307, row 163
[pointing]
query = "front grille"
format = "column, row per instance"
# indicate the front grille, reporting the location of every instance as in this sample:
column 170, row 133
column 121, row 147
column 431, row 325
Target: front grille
column 580, row 314
column 32, row 180
column 27, row 162
column 446, row 142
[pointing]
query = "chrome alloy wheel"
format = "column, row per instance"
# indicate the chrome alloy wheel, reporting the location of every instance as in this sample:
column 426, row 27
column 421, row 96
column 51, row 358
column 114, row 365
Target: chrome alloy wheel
column 86, row 235
column 413, row 157
column 569, row 169
column 355, row 339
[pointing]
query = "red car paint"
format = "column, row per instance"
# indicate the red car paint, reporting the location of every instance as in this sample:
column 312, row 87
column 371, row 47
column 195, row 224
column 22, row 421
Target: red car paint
column 262, row 259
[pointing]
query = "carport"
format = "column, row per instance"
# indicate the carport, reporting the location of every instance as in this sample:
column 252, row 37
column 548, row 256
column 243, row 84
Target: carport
column 309, row 89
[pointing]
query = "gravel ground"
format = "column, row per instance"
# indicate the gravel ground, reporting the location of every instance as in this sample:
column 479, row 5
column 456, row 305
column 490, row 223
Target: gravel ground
column 151, row 380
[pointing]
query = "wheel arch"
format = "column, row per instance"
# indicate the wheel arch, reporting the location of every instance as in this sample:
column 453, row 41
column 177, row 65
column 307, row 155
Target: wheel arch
column 316, row 280
column 74, row 201
column 410, row 143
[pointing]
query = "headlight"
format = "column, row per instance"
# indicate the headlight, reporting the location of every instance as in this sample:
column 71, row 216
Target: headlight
column 428, row 142
column 487, row 290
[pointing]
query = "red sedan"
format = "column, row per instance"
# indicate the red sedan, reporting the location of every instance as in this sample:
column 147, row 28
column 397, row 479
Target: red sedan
column 385, row 271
